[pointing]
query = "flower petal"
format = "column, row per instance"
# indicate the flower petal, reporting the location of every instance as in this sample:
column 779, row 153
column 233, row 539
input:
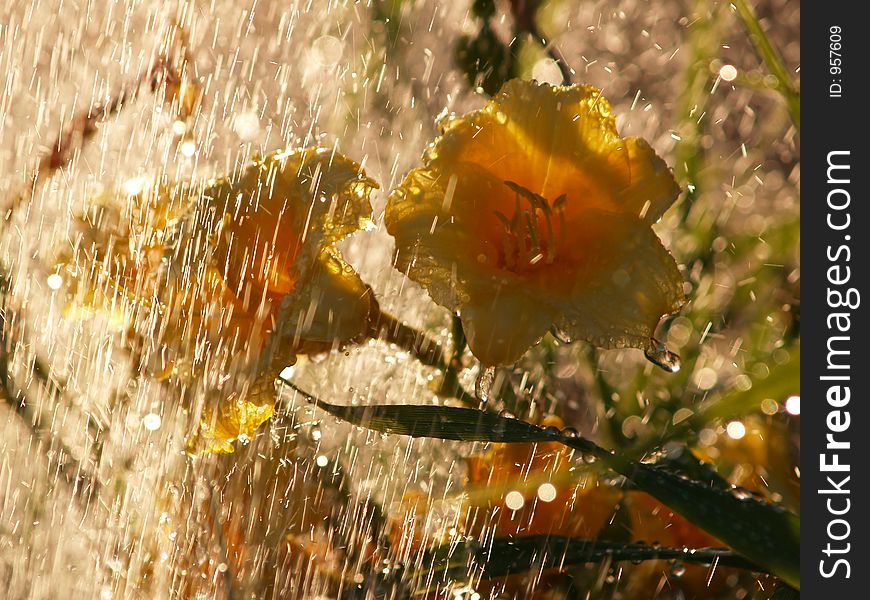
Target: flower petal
column 224, row 420
column 502, row 326
column 531, row 213
column 624, row 282
column 332, row 308
column 556, row 140
column 275, row 217
column 439, row 239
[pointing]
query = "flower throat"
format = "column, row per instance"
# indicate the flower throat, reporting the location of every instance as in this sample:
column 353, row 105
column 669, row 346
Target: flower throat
column 525, row 244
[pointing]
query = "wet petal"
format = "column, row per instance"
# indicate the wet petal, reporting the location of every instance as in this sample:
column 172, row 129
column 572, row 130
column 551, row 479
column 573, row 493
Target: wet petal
column 227, row 419
column 533, row 212
column 502, row 326
column 625, row 281
column 332, row 308
column 439, row 239
column 556, row 140
column 273, row 219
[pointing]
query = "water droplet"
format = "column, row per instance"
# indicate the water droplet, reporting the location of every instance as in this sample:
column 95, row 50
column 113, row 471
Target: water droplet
column 728, row 72
column 134, row 186
column 464, row 592
column 741, row 493
column 678, row 569
column 316, row 433
column 326, row 51
column 736, row 430
column 514, row 500
column 570, row 432
column 506, row 414
column 660, row 356
column 247, row 125
column 483, row 383
column 151, row 422
column 547, row 492
column 561, row 335
column 553, row 432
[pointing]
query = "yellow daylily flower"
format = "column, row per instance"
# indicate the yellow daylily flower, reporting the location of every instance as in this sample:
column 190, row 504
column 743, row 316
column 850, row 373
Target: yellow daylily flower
column 235, row 279
column 532, row 214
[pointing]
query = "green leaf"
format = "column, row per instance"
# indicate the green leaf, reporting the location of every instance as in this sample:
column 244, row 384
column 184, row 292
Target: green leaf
column 772, row 60
column 766, row 534
column 517, row 554
column 762, row 532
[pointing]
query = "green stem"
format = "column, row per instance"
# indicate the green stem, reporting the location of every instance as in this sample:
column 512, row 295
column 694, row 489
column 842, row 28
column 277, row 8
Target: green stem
column 772, row 60
column 426, row 350
column 429, row 352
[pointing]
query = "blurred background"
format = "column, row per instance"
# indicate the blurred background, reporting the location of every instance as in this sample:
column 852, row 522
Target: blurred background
column 98, row 498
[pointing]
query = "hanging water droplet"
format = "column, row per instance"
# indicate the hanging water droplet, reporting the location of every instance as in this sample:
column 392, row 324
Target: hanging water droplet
column 483, row 383
column 659, row 355
column 678, row 569
column 561, row 335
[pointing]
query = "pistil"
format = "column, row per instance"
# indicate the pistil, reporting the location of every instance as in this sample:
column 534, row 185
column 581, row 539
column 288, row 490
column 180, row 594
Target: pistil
column 522, row 244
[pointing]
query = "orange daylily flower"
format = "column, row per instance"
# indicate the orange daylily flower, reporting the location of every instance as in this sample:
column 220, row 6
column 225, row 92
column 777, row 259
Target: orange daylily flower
column 242, row 276
column 532, row 214
column 516, row 489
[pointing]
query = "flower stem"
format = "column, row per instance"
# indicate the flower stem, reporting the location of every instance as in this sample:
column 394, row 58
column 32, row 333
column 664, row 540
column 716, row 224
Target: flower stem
column 429, row 352
column 389, row 329
column 772, row 60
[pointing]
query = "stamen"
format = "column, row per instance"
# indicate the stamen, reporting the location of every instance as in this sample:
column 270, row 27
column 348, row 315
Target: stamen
column 533, row 232
column 523, row 250
column 508, row 244
column 559, row 206
column 517, row 241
